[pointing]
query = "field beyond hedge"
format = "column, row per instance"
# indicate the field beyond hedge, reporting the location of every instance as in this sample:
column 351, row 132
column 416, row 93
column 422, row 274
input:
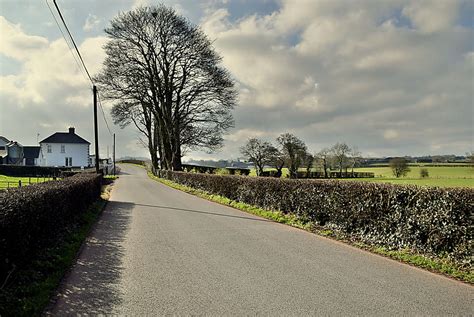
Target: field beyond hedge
column 439, row 176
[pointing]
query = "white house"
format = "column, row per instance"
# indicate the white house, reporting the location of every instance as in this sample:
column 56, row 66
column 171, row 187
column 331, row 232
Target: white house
column 64, row 149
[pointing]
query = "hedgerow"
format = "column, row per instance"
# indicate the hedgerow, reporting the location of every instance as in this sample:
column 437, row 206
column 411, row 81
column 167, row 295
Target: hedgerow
column 435, row 221
column 33, row 217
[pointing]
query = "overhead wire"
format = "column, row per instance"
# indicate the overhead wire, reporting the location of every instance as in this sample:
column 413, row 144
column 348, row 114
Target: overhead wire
column 83, row 68
column 103, row 113
column 73, row 42
column 79, row 67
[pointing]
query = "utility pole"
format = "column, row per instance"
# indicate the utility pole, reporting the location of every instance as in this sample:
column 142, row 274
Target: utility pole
column 113, row 153
column 96, row 130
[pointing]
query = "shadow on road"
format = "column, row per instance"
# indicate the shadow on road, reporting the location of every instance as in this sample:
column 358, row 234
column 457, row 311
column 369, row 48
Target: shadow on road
column 203, row 212
column 91, row 286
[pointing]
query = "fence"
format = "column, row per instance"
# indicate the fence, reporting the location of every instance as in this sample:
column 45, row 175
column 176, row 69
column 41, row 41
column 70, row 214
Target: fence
column 5, row 184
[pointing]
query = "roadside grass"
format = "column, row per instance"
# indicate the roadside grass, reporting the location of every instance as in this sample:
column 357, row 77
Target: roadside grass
column 30, row 288
column 434, row 264
column 10, row 181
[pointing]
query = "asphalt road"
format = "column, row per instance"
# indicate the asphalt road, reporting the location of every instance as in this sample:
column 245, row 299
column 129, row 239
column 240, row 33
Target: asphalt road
column 159, row 251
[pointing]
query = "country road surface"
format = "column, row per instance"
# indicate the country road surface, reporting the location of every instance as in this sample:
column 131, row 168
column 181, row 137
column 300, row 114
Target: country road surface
column 158, row 251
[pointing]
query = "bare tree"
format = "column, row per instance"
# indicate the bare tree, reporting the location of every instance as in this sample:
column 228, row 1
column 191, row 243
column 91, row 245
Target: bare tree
column 277, row 160
column 308, row 162
column 470, row 157
column 258, row 152
column 294, row 150
column 399, row 166
column 124, row 113
column 354, row 158
column 158, row 58
column 323, row 159
column 340, row 151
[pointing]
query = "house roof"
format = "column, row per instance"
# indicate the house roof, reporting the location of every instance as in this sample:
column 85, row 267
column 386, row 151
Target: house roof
column 64, row 137
column 31, row 151
column 4, row 139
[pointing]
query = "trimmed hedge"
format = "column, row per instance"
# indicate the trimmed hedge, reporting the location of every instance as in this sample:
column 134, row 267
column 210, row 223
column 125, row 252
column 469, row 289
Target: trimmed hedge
column 35, row 216
column 435, row 221
column 31, row 171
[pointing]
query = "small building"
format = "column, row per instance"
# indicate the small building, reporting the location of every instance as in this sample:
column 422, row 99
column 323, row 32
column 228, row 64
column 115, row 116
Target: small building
column 3, row 150
column 15, row 153
column 64, row 149
column 31, row 155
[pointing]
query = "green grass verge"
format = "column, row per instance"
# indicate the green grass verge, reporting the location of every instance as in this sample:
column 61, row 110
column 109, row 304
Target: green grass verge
column 31, row 288
column 437, row 265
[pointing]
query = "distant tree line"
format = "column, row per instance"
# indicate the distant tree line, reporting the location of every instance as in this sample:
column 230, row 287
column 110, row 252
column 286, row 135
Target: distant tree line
column 291, row 152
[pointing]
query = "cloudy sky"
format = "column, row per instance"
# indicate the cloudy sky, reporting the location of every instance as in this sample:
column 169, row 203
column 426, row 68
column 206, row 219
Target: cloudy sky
column 390, row 77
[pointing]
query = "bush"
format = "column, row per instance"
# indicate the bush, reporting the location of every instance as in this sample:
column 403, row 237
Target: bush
column 31, row 171
column 430, row 220
column 34, row 217
column 424, row 173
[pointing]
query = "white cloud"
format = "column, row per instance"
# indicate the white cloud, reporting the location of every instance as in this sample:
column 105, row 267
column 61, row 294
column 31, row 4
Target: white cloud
column 432, row 15
column 92, row 22
column 16, row 44
column 375, row 78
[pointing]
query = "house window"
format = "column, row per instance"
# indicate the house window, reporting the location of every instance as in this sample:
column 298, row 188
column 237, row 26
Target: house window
column 49, row 148
column 63, row 148
column 68, row 161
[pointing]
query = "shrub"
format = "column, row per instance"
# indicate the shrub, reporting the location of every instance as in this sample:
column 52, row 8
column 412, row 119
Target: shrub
column 222, row 171
column 33, row 217
column 424, row 173
column 431, row 220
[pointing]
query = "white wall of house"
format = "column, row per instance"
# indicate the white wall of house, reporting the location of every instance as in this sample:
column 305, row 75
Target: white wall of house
column 79, row 154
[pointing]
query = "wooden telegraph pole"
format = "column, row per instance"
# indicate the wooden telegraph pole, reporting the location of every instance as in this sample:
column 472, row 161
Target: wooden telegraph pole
column 96, row 130
column 114, row 154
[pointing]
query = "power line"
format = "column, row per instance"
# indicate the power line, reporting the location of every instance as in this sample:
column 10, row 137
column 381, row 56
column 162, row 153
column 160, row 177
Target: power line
column 73, row 42
column 79, row 55
column 103, row 114
column 79, row 68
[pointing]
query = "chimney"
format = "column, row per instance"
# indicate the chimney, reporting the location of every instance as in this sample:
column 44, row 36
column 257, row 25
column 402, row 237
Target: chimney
column 71, row 130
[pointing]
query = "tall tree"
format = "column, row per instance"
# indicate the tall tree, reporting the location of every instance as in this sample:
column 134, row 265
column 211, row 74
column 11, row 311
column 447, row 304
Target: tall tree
column 158, row 58
column 258, row 152
column 124, row 113
column 294, row 150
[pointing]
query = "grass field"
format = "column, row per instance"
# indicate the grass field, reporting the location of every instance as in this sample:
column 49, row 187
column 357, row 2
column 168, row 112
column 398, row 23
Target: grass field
column 9, row 181
column 440, row 176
